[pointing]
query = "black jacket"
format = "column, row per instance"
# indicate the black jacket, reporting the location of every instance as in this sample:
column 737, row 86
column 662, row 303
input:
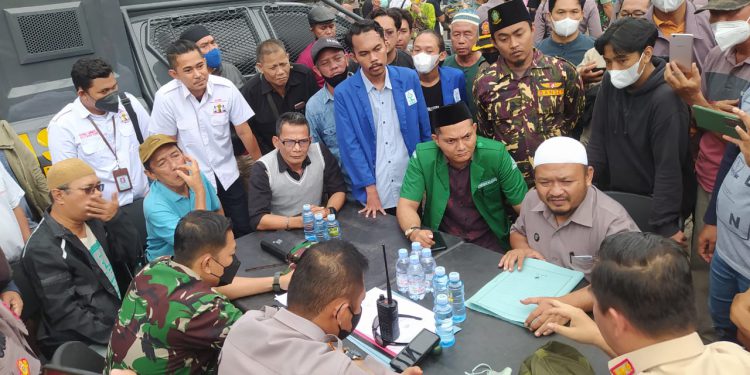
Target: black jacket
column 78, row 302
column 640, row 144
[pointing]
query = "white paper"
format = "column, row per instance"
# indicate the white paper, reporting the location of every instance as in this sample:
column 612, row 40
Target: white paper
column 281, row 298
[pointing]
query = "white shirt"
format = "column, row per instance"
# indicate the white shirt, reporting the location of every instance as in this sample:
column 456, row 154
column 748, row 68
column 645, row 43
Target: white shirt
column 391, row 154
column 202, row 128
column 71, row 135
column 11, row 240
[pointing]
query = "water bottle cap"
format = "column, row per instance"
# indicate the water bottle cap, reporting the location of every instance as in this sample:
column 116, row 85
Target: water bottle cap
column 426, row 252
column 439, row 271
column 414, row 259
column 403, row 253
column 306, row 207
column 331, row 217
column 442, row 299
column 453, row 276
column 416, row 245
column 318, row 216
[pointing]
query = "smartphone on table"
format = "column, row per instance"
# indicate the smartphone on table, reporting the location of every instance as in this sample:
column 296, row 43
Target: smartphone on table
column 416, row 351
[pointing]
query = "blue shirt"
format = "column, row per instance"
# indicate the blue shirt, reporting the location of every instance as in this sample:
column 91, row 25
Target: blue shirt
column 573, row 51
column 163, row 209
column 319, row 112
column 392, row 157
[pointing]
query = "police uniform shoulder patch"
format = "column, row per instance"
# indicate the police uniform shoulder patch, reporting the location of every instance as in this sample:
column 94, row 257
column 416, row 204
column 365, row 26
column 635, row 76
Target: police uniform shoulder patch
column 623, row 368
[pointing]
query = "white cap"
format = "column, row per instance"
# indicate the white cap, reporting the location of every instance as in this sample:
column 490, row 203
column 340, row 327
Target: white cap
column 560, row 150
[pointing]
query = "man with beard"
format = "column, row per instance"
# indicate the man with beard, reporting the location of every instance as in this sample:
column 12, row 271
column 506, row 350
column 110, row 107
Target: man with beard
column 525, row 97
column 332, row 64
column 380, row 117
column 563, row 220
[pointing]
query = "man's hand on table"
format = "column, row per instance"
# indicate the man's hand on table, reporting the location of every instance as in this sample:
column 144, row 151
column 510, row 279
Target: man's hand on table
column 373, row 203
column 582, row 328
column 423, row 236
column 414, row 370
column 508, row 261
column 541, row 317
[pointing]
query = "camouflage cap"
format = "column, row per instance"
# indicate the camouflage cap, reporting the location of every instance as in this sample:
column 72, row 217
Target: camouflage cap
column 724, row 5
column 151, row 144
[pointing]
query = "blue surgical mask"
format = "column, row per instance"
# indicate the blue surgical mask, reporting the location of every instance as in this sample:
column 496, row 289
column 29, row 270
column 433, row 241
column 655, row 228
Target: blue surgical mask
column 213, row 58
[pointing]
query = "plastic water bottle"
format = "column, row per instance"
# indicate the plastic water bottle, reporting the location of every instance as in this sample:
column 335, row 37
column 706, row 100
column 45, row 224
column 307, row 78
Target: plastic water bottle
column 456, row 289
column 321, row 228
column 440, row 282
column 444, row 321
column 334, row 229
column 308, row 223
column 416, row 278
column 402, row 269
column 416, row 248
column 428, row 266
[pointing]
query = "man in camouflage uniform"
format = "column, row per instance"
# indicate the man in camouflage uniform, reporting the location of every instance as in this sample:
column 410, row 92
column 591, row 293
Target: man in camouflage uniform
column 525, row 97
column 172, row 320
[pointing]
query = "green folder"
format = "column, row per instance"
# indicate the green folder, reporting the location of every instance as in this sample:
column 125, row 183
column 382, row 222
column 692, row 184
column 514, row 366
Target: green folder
column 502, row 296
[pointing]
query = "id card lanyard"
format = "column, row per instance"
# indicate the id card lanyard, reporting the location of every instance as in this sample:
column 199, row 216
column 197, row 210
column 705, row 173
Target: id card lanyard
column 121, row 176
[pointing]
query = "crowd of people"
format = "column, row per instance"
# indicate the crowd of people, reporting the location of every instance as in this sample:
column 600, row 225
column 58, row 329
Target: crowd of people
column 511, row 142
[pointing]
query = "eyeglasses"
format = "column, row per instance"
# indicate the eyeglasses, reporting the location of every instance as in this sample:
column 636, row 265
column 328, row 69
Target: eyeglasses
column 635, row 14
column 290, row 143
column 90, row 189
column 379, row 339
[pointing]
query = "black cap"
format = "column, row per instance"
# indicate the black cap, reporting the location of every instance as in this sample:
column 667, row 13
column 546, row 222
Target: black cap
column 449, row 115
column 508, row 14
column 195, row 33
column 322, row 44
column 320, row 14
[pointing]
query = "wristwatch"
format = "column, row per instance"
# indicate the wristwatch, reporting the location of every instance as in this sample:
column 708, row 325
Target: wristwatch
column 409, row 231
column 332, row 210
column 276, row 285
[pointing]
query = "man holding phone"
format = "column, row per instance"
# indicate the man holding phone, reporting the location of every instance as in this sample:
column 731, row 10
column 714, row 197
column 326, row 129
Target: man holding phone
column 466, row 179
column 675, row 17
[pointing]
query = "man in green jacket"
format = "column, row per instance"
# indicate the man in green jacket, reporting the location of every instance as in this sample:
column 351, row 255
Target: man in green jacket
column 467, row 181
column 25, row 169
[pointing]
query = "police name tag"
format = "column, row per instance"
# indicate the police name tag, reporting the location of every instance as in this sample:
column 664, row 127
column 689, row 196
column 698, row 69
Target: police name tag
column 122, row 179
column 456, row 95
column 411, row 98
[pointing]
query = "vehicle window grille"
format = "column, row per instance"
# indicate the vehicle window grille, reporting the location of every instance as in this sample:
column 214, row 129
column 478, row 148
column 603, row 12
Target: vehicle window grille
column 52, row 31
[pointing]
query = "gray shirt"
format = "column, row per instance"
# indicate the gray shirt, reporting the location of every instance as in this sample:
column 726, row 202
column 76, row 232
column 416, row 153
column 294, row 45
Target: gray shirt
column 597, row 217
column 277, row 341
column 230, row 72
column 733, row 217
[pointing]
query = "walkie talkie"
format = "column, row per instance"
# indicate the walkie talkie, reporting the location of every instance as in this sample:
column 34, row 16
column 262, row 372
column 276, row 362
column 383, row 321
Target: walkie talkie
column 388, row 310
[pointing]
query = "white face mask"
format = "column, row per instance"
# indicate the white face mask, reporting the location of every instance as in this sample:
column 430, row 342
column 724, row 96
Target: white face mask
column 667, row 6
column 624, row 78
column 730, row 33
column 424, row 63
column 566, row 27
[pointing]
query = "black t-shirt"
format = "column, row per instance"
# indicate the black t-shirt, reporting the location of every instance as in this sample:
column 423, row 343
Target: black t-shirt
column 403, row 59
column 438, row 13
column 433, row 96
column 299, row 88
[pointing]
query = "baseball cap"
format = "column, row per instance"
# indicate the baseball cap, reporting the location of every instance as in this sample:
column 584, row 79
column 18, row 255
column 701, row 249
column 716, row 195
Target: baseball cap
column 151, row 144
column 322, row 44
column 484, row 40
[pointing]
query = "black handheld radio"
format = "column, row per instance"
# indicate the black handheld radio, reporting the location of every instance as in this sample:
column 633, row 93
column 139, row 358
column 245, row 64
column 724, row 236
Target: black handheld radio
column 388, row 310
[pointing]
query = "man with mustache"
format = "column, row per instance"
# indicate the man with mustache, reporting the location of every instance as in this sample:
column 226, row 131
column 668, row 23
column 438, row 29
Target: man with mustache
column 196, row 109
column 563, row 220
column 466, row 179
column 525, row 97
column 380, row 117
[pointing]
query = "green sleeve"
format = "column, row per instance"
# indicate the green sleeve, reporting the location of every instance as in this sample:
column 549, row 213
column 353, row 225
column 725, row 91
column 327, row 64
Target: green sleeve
column 511, row 179
column 428, row 11
column 413, row 187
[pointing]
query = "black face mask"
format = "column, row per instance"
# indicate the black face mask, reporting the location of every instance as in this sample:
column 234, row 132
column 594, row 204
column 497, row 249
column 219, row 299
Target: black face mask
column 230, row 271
column 355, row 320
column 109, row 103
column 491, row 57
column 338, row 78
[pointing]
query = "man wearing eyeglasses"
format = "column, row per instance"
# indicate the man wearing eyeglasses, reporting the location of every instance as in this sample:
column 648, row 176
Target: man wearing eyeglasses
column 296, row 173
column 75, row 258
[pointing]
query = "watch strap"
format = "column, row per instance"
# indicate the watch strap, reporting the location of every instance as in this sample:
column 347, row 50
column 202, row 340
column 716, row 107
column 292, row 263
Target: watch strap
column 276, row 285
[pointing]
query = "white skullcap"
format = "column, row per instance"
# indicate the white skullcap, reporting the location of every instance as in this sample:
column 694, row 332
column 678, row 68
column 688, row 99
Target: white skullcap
column 560, row 150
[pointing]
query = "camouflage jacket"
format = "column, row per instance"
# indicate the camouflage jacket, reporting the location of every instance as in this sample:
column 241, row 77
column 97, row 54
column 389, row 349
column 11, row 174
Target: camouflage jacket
column 170, row 322
column 522, row 112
